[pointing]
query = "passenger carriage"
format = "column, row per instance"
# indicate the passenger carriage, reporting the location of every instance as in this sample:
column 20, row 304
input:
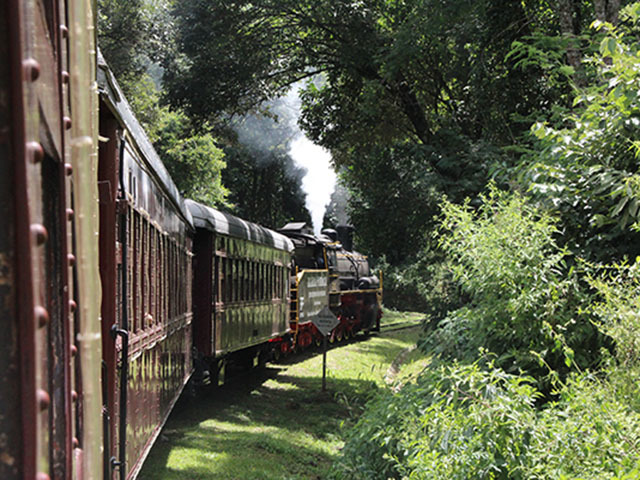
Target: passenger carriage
column 50, row 421
column 145, row 268
column 241, row 289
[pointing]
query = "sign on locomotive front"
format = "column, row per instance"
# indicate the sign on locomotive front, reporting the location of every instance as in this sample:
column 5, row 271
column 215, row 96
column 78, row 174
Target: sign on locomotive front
column 313, row 292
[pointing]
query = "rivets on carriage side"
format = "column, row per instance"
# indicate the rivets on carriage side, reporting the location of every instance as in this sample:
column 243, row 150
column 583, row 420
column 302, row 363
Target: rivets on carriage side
column 74, row 350
column 75, row 442
column 69, row 214
column 68, row 169
column 39, row 233
column 72, row 306
column 35, row 152
column 74, row 396
column 43, row 399
column 67, row 123
column 65, row 77
column 41, row 315
column 64, row 31
column 31, row 69
column 71, row 259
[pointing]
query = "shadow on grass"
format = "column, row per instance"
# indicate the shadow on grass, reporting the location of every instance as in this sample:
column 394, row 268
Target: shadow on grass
column 264, row 424
column 210, row 454
column 279, row 430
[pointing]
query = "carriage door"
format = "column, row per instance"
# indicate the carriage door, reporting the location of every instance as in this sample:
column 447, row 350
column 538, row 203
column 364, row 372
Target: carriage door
column 42, row 215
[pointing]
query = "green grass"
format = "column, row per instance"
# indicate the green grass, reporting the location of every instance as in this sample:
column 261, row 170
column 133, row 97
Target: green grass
column 276, row 423
column 393, row 317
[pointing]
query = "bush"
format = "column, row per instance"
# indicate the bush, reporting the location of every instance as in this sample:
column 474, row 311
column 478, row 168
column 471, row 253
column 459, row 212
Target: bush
column 463, row 422
column 424, row 284
column 524, row 300
column 618, row 309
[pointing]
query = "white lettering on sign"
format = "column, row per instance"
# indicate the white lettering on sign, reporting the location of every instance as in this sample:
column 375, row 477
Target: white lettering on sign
column 317, row 282
column 317, row 294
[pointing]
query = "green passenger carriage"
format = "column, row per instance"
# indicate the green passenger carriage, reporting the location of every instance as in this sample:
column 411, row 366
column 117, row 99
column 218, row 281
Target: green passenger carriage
column 240, row 290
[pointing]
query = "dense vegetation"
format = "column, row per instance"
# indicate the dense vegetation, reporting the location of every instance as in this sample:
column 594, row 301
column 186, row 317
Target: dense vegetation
column 489, row 152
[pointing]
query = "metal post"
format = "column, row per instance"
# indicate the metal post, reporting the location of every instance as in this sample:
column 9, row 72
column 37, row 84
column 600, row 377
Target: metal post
column 324, row 363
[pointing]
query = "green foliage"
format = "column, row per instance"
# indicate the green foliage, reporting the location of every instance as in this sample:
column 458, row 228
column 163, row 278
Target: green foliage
column 133, row 35
column 618, row 309
column 193, row 160
column 395, row 192
column 144, row 98
column 588, row 170
column 463, row 422
column 423, row 284
column 121, row 34
column 524, row 301
column 264, row 181
column 266, row 190
column 419, row 95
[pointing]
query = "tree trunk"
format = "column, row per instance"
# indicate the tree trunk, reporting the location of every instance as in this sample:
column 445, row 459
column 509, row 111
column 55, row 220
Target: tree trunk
column 565, row 12
column 613, row 7
column 414, row 111
column 607, row 10
column 600, row 7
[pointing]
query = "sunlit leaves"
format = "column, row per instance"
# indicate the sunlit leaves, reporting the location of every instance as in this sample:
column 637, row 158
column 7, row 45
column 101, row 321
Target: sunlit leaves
column 524, row 299
column 588, row 170
column 193, row 159
column 462, row 422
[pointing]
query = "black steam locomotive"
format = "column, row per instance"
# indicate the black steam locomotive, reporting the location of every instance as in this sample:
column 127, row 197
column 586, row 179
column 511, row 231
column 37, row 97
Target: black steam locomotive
column 328, row 272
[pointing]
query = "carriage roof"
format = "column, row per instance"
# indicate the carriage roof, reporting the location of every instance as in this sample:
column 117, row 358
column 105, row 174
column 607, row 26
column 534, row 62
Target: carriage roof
column 227, row 224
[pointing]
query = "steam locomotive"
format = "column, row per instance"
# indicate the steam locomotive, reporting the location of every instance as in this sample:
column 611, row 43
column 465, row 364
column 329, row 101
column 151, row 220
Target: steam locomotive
column 112, row 286
column 327, row 272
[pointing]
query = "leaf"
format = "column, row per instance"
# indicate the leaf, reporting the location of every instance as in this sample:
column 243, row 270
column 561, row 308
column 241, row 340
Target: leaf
column 608, row 46
column 566, row 70
column 621, row 204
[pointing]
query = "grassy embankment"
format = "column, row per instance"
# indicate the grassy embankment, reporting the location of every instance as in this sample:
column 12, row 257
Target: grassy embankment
column 277, row 423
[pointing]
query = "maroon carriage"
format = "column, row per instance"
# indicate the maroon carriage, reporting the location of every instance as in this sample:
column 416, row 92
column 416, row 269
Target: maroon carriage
column 145, row 266
column 49, row 393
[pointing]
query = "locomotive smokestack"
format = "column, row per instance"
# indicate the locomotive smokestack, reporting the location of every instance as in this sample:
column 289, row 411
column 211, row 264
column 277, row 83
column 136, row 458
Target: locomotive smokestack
column 345, row 236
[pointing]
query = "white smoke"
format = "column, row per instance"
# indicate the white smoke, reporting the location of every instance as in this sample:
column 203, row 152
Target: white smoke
column 320, row 180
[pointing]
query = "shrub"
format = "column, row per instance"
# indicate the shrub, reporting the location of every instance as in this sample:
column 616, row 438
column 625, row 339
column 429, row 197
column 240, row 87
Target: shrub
column 524, row 300
column 463, row 422
column 618, row 309
column 424, row 284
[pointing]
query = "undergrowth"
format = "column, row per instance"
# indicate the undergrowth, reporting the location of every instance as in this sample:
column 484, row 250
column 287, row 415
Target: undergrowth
column 467, row 422
column 510, row 393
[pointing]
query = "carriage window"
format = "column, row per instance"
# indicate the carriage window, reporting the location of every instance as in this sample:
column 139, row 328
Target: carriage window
column 236, row 282
column 254, row 282
column 223, row 279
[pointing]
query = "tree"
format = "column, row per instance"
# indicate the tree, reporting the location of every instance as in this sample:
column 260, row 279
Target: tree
column 265, row 183
column 193, row 159
column 121, row 30
column 588, row 170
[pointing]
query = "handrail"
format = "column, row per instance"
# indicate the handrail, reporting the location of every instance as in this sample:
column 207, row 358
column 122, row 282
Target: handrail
column 121, row 463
